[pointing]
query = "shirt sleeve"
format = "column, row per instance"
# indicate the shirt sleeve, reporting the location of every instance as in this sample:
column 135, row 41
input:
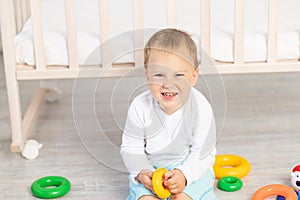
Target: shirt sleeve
column 133, row 143
column 202, row 152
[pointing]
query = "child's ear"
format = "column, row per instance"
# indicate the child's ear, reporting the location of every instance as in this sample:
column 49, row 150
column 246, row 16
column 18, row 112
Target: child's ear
column 147, row 75
column 195, row 76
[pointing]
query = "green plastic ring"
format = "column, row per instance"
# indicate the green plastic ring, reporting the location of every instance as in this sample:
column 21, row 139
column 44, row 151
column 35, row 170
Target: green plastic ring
column 50, row 187
column 230, row 183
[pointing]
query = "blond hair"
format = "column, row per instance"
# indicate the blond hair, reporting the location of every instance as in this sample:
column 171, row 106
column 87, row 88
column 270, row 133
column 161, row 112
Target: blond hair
column 172, row 41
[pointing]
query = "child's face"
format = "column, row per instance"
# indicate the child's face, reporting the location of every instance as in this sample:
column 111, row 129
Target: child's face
column 170, row 78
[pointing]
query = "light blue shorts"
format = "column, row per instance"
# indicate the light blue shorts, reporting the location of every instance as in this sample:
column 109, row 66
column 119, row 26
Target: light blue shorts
column 202, row 189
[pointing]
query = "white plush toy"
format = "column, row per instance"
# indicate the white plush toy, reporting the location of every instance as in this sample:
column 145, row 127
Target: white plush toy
column 31, row 149
column 295, row 180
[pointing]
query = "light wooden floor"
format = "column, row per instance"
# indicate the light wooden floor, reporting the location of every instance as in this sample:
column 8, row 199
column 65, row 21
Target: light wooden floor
column 262, row 125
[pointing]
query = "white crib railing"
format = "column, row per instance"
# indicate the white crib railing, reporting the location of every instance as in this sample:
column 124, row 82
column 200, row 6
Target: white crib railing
column 23, row 9
column 41, row 71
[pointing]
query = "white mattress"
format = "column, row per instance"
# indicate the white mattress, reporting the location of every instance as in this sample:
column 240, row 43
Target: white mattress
column 155, row 17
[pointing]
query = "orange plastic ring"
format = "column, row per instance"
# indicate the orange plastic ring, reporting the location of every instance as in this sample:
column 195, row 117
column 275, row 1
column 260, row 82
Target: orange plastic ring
column 275, row 189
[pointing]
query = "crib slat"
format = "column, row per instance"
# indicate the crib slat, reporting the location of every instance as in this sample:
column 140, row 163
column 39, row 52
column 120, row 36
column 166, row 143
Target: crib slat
column 72, row 41
column 104, row 19
column 172, row 7
column 24, row 11
column 39, row 47
column 138, row 33
column 13, row 22
column 28, row 8
column 18, row 9
column 272, row 31
column 104, row 32
column 239, row 31
column 205, row 32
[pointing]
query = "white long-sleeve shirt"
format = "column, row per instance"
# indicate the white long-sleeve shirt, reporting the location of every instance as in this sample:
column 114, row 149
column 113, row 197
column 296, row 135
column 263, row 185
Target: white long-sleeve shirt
column 184, row 140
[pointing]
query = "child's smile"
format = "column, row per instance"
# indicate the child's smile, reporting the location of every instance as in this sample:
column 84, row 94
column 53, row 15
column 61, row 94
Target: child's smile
column 169, row 96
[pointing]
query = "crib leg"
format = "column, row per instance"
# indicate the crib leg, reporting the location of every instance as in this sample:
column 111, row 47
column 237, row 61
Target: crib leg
column 7, row 33
column 15, row 114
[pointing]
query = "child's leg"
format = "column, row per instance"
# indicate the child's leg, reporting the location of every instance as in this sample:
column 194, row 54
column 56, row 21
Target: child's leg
column 210, row 196
column 139, row 192
column 181, row 196
column 203, row 189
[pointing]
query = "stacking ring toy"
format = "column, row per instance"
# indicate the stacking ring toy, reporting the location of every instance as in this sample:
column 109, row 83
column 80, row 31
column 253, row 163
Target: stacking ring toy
column 157, row 184
column 275, row 189
column 231, row 165
column 283, row 198
column 50, row 187
column 230, row 184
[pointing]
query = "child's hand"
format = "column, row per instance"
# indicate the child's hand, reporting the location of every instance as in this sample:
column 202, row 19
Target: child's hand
column 145, row 177
column 175, row 181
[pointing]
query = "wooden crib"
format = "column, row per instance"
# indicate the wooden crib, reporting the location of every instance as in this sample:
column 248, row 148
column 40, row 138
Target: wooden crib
column 14, row 14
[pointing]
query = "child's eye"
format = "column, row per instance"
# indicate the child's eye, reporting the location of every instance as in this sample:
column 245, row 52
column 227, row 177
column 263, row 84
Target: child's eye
column 179, row 75
column 158, row 75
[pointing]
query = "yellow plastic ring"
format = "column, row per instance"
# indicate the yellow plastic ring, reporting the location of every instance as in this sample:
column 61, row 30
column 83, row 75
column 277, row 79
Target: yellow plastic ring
column 158, row 187
column 231, row 165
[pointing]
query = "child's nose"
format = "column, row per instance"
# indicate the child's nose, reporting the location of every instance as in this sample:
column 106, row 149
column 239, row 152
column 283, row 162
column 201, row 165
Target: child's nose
column 169, row 83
